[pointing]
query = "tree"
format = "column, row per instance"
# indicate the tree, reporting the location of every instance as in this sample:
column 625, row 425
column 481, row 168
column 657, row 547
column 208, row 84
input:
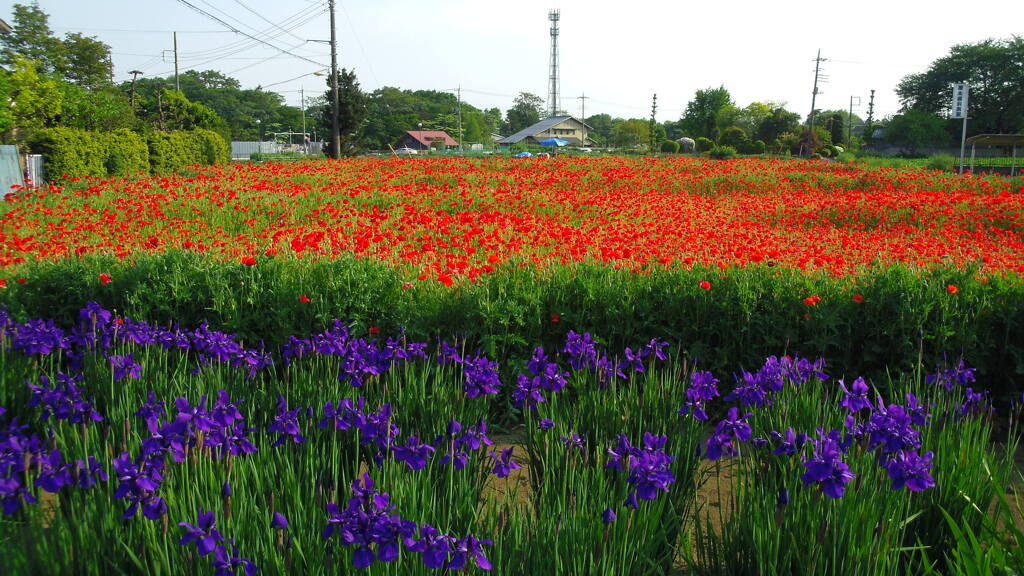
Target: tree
column 493, row 120
column 86, row 62
column 36, row 100
column 917, row 129
column 32, row 40
column 103, row 109
column 602, row 126
column 352, row 113
column 994, row 70
column 781, row 121
column 526, row 111
column 701, row 118
column 631, row 133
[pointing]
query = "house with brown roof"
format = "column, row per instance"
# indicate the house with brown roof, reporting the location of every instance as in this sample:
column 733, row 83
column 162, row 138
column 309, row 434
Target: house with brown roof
column 426, row 139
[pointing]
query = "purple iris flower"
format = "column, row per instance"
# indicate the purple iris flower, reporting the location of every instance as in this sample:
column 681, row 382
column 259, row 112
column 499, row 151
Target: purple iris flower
column 527, row 392
column 503, row 465
column 574, row 440
column 480, row 377
column 434, row 546
column 789, row 443
column 89, row 473
column 227, row 562
column 279, row 522
column 703, row 388
column 470, row 547
column 286, row 424
column 959, row 375
column 826, row 468
column 138, row 484
column 581, row 351
column 907, row 468
column 125, row 367
column 608, row 516
column 62, row 399
column 414, row 453
column 545, row 424
column 855, row 398
column 204, row 533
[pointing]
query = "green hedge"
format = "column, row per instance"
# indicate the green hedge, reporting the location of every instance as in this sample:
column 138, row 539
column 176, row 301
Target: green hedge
column 898, row 313
column 174, row 151
column 68, row 152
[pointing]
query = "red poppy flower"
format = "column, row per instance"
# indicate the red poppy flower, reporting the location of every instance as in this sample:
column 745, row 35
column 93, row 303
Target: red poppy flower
column 3, row 283
column 374, row 330
column 248, row 261
column 705, row 285
column 407, row 286
column 952, row 289
column 812, row 300
column 857, row 298
column 555, row 317
column 105, row 278
column 303, row 299
column 22, row 280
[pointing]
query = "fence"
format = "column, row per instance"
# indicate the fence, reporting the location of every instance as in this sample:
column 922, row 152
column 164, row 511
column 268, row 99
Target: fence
column 245, row 150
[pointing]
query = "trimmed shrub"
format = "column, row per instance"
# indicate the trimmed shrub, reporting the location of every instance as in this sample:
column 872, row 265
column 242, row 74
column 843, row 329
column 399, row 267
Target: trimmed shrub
column 704, row 144
column 127, row 153
column 722, row 152
column 735, row 137
column 216, row 149
column 670, row 147
column 755, row 147
column 69, row 152
column 173, row 151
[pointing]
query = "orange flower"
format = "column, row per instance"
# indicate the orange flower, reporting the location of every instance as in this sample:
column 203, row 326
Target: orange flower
column 105, row 278
column 952, row 289
column 705, row 285
column 303, row 299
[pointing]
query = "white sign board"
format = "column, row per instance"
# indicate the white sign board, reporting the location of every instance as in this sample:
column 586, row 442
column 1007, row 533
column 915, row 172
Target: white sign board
column 959, row 106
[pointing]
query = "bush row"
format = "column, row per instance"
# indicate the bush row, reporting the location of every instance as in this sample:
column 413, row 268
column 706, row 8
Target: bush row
column 882, row 320
column 80, row 153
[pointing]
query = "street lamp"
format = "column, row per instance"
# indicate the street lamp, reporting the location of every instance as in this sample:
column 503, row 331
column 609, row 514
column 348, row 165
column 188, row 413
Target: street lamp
column 420, row 125
column 259, row 128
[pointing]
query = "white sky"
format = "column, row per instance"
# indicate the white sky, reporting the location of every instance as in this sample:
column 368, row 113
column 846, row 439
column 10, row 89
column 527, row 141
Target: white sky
column 617, row 53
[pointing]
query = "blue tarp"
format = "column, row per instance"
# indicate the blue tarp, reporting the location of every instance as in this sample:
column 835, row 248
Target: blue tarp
column 523, row 155
column 554, row 142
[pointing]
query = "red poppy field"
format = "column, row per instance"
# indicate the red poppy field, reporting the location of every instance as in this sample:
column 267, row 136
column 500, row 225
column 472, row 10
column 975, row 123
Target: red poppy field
column 459, row 218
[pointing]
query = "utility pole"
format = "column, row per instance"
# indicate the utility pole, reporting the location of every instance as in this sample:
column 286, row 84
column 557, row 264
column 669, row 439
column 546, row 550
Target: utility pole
column 335, row 132
column 302, row 104
column 177, row 85
column 583, row 116
column 135, row 74
column 849, row 120
column 458, row 96
column 814, row 95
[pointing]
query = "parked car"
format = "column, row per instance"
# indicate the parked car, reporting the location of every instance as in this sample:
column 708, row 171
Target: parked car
column 406, row 151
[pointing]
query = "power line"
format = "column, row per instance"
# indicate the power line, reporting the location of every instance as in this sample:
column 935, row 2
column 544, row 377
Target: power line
column 246, row 34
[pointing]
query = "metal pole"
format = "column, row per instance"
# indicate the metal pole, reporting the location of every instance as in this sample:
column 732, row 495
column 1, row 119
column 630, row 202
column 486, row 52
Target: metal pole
column 177, row 86
column 458, row 95
column 335, row 131
column 302, row 104
column 963, row 144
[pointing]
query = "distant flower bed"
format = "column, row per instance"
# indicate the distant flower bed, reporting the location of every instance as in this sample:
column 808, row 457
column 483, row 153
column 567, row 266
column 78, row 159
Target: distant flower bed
column 459, row 218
